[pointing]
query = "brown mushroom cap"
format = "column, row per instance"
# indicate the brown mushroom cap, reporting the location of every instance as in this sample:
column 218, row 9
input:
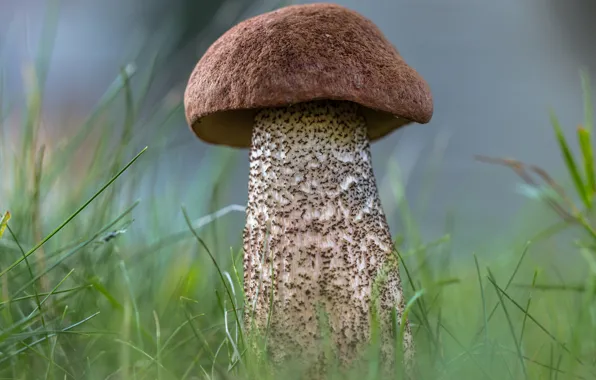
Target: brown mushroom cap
column 296, row 54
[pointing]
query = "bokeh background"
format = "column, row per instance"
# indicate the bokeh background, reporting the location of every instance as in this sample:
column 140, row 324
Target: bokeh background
column 85, row 85
column 494, row 68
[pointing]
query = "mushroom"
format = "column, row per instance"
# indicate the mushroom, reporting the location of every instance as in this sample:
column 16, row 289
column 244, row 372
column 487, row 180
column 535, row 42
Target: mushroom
column 307, row 88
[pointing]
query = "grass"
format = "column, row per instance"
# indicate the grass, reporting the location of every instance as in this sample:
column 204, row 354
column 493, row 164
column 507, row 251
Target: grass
column 95, row 284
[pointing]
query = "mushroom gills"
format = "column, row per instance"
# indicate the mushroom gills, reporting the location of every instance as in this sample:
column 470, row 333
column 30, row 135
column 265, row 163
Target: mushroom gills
column 316, row 234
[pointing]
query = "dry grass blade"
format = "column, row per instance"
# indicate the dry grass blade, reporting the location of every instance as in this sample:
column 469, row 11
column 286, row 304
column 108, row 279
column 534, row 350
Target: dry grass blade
column 522, row 169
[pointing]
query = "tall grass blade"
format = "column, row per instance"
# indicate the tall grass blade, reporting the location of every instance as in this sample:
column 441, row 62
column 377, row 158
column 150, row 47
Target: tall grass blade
column 518, row 347
column 71, row 217
column 509, row 282
column 585, row 144
column 4, row 222
column 570, row 161
column 484, row 315
column 540, row 326
column 523, row 328
column 219, row 271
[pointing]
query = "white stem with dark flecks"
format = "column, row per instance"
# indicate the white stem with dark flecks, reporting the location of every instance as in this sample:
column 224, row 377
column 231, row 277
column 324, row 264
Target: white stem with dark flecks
column 316, row 233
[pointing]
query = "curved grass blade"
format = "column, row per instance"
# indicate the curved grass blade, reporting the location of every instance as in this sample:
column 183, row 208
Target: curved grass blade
column 72, row 251
column 585, row 144
column 14, row 354
column 511, row 328
column 484, row 315
column 219, row 271
column 70, row 218
column 569, row 160
column 4, row 222
column 540, row 326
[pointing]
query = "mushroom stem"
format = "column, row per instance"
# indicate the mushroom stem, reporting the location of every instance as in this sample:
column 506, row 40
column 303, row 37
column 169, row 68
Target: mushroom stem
column 316, row 234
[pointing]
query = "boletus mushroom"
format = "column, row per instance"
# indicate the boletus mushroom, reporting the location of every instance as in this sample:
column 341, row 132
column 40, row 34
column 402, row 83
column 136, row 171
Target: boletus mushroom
column 307, row 88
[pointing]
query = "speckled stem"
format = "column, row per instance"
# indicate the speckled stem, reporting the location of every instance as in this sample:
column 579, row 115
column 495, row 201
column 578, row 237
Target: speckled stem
column 316, row 233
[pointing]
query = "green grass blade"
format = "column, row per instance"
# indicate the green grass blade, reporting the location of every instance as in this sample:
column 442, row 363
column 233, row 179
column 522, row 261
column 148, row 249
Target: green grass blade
column 4, row 222
column 158, row 348
column 219, row 271
column 71, row 217
column 29, row 297
column 77, row 248
column 53, row 291
column 101, row 289
column 569, row 160
column 406, row 312
column 484, row 315
column 49, row 359
column 551, row 368
column 41, row 340
column 133, row 300
column 198, row 334
column 419, row 301
column 30, row 270
column 145, row 354
column 523, row 328
column 517, row 266
column 549, row 287
column 467, row 352
column 540, row 326
column 585, row 133
column 10, row 332
column 177, row 330
column 518, row 347
column 585, row 144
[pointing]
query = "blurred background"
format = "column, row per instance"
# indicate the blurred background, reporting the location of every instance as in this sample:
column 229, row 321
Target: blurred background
column 85, row 85
column 494, row 68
